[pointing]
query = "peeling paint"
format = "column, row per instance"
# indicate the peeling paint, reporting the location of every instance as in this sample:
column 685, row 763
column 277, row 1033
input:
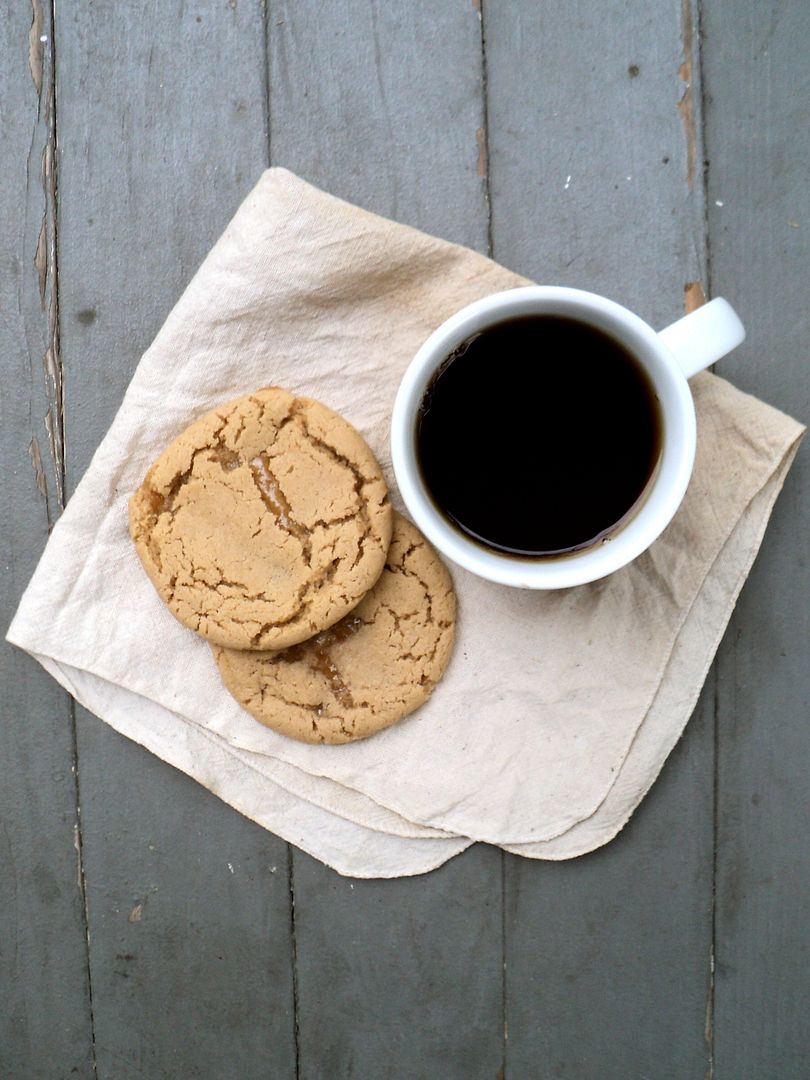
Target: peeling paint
column 481, row 164
column 77, row 844
column 686, row 105
column 708, row 1024
column 53, row 420
column 41, row 258
column 39, row 472
column 36, row 49
column 693, row 296
column 45, row 261
column 47, row 164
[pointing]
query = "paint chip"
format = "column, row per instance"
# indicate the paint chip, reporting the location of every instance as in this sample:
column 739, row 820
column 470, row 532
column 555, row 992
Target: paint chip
column 718, row 202
column 39, row 472
column 482, row 163
column 230, row 867
column 35, row 46
column 693, row 296
column 567, row 183
column 135, row 914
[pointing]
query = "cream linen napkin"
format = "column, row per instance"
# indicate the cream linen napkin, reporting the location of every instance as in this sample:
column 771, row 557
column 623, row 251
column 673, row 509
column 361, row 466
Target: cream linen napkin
column 557, row 710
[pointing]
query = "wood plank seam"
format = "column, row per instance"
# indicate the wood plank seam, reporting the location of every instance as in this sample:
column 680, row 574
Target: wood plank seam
column 82, row 881
column 265, row 9
column 695, row 27
column 692, row 69
column 293, row 959
column 703, row 157
column 483, row 134
column 55, row 417
column 483, row 170
column 268, row 132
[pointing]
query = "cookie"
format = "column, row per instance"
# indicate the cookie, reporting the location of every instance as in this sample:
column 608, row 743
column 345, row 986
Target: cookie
column 372, row 668
column 264, row 522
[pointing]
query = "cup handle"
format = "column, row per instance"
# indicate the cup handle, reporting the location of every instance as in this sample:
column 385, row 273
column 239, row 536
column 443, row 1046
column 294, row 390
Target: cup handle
column 704, row 336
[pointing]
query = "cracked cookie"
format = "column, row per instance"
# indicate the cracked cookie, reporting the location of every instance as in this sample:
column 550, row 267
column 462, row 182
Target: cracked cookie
column 375, row 666
column 264, row 522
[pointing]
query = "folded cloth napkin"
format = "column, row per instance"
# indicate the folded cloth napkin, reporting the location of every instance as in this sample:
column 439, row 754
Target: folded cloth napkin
column 557, row 710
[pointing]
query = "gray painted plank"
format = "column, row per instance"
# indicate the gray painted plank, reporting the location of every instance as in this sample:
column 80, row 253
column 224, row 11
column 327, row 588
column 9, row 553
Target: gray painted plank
column 189, row 909
column 45, row 1027
column 592, row 103
column 381, row 104
column 400, row 979
column 162, row 132
column 607, row 957
column 758, row 145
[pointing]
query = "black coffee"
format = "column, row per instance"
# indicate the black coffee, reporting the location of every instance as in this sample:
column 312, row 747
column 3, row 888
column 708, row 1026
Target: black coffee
column 539, row 435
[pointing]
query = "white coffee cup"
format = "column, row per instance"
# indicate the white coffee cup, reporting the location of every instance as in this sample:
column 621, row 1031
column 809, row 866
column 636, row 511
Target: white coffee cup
column 669, row 358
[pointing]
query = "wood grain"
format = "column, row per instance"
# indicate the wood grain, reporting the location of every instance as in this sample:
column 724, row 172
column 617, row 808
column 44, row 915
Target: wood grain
column 758, row 146
column 607, row 957
column 381, row 103
column 162, row 130
column 45, row 1022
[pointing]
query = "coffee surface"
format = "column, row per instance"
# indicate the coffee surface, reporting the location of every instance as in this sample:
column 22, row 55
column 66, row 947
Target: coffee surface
column 539, row 435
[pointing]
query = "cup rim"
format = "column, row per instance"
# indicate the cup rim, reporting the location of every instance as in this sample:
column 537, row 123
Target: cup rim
column 664, row 493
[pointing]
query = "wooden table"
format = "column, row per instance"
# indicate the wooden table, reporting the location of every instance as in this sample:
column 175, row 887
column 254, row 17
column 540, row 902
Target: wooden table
column 636, row 147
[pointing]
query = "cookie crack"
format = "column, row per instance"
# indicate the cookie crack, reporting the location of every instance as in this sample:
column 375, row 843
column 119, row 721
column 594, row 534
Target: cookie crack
column 426, row 659
column 360, row 481
column 264, row 691
column 394, row 569
column 163, row 502
column 227, row 459
column 316, row 654
column 226, row 583
column 260, row 405
column 276, row 502
column 242, row 425
column 303, row 602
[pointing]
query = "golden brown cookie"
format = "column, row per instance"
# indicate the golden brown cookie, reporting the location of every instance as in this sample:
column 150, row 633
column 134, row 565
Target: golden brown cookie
column 375, row 666
column 264, row 522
